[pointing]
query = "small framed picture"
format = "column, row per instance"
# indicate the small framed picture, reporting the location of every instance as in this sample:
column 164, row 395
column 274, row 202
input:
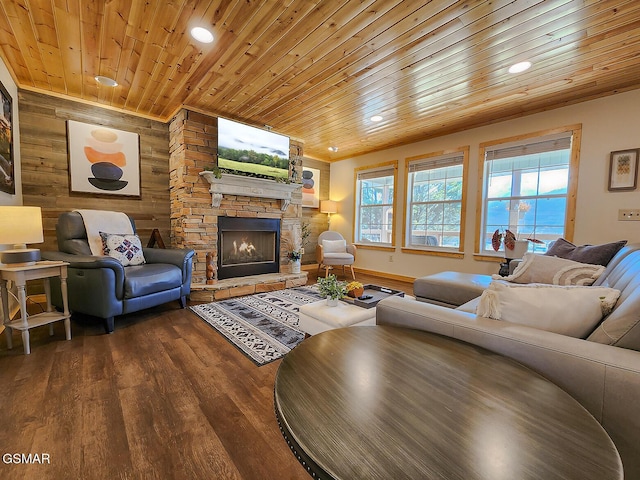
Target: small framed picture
column 623, row 170
column 7, row 175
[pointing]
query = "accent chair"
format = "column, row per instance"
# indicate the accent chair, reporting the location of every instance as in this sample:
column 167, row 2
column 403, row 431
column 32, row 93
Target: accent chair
column 101, row 286
column 332, row 250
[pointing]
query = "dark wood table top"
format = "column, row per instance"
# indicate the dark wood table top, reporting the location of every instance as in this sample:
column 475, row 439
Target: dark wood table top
column 390, row 403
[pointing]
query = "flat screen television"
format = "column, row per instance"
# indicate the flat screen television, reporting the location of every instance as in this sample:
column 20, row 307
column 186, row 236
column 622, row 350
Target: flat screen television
column 252, row 151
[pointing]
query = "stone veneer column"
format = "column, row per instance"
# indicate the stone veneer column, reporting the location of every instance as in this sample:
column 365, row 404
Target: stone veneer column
column 192, row 147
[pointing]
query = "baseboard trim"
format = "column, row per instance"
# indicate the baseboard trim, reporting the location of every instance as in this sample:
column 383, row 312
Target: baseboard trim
column 366, row 271
column 392, row 276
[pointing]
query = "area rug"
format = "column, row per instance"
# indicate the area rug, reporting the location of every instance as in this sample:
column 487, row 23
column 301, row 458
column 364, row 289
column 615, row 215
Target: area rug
column 263, row 326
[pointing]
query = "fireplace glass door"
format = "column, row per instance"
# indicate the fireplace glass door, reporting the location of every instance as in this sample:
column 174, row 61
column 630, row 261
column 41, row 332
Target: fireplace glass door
column 239, row 248
column 248, row 246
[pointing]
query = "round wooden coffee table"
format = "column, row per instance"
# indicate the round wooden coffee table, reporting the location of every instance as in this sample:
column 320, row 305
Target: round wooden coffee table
column 390, row 403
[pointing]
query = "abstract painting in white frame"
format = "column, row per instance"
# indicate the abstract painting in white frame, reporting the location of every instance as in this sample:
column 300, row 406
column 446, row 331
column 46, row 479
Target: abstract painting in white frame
column 103, row 160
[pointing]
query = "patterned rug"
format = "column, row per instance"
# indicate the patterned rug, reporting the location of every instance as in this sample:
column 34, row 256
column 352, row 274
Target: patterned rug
column 263, row 326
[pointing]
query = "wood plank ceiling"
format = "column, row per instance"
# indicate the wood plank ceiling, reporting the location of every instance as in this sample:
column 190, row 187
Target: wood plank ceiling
column 318, row 70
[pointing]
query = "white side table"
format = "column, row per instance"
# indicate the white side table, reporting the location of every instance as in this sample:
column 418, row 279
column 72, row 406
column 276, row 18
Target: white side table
column 21, row 275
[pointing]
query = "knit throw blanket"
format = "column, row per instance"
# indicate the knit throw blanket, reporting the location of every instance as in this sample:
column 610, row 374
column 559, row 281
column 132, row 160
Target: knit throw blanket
column 96, row 221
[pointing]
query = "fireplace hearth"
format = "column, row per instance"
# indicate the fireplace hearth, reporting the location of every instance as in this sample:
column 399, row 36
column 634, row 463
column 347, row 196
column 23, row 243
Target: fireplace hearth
column 248, row 246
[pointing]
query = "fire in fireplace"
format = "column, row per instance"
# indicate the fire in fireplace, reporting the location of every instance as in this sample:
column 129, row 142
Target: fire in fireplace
column 248, row 246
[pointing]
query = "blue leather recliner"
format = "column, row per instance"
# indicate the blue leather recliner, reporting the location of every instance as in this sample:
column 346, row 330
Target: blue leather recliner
column 102, row 287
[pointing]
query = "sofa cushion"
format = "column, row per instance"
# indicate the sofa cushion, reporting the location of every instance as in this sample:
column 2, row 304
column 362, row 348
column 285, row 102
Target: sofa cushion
column 622, row 327
column 124, row 247
column 568, row 310
column 450, row 289
column 337, row 258
column 536, row 268
column 594, row 254
column 151, row 278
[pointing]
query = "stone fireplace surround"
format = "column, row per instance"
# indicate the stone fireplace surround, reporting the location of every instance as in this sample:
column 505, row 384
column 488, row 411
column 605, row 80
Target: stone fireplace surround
column 197, row 199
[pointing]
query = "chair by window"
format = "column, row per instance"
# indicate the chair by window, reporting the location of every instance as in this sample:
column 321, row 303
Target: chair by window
column 332, row 250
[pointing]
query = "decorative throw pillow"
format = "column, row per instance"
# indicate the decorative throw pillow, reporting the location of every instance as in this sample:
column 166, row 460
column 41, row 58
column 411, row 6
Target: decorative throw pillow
column 594, row 254
column 568, row 310
column 334, row 246
column 553, row 270
column 124, row 247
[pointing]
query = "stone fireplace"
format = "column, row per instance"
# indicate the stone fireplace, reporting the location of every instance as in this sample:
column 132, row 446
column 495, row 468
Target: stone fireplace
column 199, row 201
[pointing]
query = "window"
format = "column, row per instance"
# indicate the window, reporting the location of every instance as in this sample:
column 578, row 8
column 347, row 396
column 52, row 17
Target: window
column 435, row 192
column 528, row 188
column 375, row 198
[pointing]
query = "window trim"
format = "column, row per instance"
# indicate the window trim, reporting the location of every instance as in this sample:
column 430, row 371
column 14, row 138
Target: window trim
column 394, row 205
column 435, row 250
column 572, row 186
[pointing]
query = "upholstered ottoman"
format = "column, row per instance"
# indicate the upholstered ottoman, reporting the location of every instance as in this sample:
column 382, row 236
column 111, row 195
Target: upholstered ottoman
column 450, row 289
column 317, row 317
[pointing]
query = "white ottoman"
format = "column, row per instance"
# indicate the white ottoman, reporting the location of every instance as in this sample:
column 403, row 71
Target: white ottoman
column 317, row 317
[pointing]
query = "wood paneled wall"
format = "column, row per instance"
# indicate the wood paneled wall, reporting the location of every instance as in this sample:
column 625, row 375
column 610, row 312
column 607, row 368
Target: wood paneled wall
column 45, row 165
column 318, row 222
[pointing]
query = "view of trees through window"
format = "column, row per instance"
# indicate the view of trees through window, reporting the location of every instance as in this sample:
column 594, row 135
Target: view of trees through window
column 526, row 187
column 375, row 207
column 435, row 206
column 527, row 194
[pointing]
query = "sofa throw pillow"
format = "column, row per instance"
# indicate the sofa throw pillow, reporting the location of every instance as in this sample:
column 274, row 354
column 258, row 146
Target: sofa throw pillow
column 124, row 247
column 536, row 268
column 571, row 310
column 594, row 254
column 334, row 246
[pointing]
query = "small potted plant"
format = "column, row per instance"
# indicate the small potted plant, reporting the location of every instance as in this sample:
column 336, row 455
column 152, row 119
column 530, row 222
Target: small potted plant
column 355, row 289
column 331, row 288
column 294, row 257
column 513, row 248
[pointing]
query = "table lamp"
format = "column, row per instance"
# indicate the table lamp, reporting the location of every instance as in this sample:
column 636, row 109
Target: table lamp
column 19, row 226
column 328, row 207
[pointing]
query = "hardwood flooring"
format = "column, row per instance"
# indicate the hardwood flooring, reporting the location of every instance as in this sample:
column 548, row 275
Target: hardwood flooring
column 163, row 397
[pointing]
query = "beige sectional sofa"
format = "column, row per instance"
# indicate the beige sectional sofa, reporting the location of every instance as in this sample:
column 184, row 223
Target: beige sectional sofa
column 601, row 371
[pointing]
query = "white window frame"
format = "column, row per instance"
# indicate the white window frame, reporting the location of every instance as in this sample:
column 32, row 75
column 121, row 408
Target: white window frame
column 526, row 144
column 389, row 208
column 430, row 161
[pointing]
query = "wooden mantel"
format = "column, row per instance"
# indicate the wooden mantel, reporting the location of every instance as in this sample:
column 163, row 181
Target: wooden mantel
column 249, row 187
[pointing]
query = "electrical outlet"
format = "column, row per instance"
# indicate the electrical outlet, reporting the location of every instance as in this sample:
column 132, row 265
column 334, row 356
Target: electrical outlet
column 628, row 214
column 391, row 258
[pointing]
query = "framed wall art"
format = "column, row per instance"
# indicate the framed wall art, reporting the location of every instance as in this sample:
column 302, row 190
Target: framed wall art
column 103, row 160
column 7, row 171
column 310, row 187
column 623, row 170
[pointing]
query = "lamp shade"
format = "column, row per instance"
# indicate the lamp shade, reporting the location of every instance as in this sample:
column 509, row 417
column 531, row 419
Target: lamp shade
column 328, row 206
column 20, row 225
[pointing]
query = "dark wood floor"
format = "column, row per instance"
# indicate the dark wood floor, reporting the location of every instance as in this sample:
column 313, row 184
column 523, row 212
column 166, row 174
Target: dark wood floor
column 164, row 396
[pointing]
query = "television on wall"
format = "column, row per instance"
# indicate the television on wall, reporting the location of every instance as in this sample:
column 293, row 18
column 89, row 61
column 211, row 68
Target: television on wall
column 252, row 151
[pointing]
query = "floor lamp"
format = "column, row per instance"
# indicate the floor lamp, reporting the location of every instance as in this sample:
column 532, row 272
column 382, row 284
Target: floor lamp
column 328, row 207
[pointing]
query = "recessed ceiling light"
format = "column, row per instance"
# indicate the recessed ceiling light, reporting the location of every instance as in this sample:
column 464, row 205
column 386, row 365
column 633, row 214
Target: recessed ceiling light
column 376, row 118
column 202, row 34
column 519, row 67
column 333, row 149
column 109, row 82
